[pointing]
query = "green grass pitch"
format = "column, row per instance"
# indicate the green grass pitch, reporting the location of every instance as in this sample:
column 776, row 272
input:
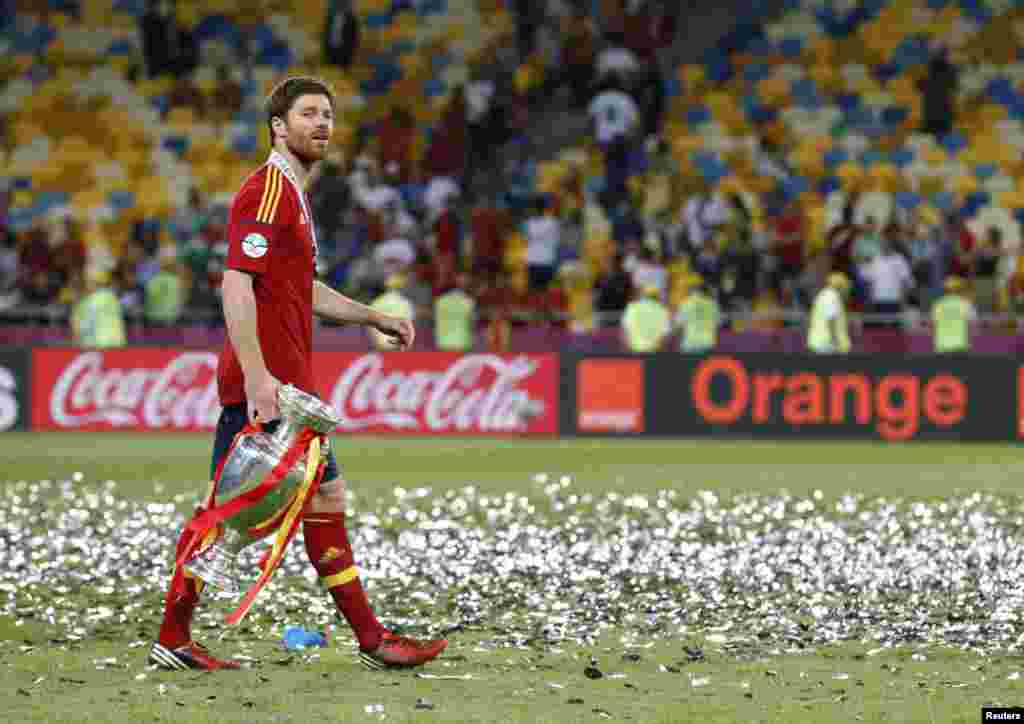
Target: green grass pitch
column 851, row 682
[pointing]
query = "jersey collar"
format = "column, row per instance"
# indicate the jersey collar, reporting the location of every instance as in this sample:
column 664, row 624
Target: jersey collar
column 278, row 160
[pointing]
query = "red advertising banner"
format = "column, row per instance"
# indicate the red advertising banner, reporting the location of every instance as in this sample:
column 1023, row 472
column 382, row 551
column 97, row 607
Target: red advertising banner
column 135, row 388
column 437, row 393
column 441, row 393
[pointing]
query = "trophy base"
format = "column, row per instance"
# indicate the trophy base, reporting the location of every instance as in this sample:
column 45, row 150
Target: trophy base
column 216, row 567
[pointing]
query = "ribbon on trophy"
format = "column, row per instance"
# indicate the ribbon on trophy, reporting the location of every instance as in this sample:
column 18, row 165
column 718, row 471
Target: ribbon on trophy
column 213, row 516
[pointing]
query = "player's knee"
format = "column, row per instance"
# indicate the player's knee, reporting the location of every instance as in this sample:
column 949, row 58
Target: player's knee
column 330, row 498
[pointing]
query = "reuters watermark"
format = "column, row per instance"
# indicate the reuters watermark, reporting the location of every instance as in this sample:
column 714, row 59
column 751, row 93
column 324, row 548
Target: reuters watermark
column 1000, row 714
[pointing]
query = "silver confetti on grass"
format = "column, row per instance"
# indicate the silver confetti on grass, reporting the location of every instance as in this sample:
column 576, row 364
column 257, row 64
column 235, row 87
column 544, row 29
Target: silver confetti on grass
column 744, row 578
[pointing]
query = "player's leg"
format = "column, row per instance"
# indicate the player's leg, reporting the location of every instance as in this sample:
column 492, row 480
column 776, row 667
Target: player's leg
column 330, row 553
column 174, row 648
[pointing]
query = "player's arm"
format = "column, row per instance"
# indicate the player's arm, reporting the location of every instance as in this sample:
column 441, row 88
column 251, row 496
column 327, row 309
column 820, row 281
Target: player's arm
column 240, row 319
column 333, row 305
column 253, row 231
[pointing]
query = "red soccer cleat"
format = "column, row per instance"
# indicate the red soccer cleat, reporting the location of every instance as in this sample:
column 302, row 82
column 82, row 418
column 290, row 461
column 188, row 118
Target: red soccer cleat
column 189, row 656
column 400, row 652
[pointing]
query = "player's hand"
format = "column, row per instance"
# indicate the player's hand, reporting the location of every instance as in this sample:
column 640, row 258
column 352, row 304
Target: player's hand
column 399, row 332
column 261, row 395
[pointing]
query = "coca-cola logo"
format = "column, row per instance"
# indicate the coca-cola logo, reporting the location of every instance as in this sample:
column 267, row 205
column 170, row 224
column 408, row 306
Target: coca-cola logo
column 181, row 394
column 480, row 393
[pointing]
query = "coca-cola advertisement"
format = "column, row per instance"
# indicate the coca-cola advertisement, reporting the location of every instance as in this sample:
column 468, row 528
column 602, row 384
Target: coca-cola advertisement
column 124, row 389
column 399, row 392
column 441, row 393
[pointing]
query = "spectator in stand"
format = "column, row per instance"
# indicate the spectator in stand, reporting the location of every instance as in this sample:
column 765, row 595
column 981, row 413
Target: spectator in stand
column 126, row 276
column 397, row 136
column 186, row 94
column 699, row 318
column 9, row 271
column 986, row 266
column 579, row 57
column 704, row 213
column 890, row 282
column 961, row 245
column 938, row 92
column 543, row 232
column 740, row 274
column 455, row 317
column 924, row 250
column 341, row 33
column 614, row 115
column 446, row 154
column 394, row 303
column 97, row 320
column 490, row 227
column 67, row 248
column 39, row 282
column 370, row 188
column 767, row 313
column 1015, row 291
column 644, row 269
column 393, row 256
column 828, row 331
column 843, row 236
column 788, row 246
column 868, row 244
column 708, row 260
column 616, row 60
column 646, row 323
column 164, row 300
column 612, row 292
column 448, row 232
column 952, row 316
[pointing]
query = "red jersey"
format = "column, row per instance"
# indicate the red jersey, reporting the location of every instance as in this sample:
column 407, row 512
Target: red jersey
column 271, row 237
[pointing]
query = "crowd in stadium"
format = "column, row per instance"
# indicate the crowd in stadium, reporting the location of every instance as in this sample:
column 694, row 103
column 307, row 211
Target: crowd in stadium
column 883, row 142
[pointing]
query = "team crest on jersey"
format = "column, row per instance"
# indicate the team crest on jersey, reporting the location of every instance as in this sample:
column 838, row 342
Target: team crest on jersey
column 254, row 245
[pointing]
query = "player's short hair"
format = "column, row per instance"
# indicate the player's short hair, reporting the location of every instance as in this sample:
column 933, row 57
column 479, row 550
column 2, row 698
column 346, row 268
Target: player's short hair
column 285, row 93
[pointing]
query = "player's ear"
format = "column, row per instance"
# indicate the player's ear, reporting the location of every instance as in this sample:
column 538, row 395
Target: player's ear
column 278, row 123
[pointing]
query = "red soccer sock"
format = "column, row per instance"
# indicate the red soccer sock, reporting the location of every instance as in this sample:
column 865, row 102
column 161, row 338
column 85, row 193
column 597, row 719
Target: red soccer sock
column 331, row 555
column 180, row 604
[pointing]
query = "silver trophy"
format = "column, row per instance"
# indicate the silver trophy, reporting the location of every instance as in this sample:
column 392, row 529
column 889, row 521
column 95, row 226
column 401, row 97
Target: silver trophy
column 250, row 461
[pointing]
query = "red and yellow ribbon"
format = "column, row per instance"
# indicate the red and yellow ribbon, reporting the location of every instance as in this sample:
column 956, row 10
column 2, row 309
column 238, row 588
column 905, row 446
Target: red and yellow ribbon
column 211, row 519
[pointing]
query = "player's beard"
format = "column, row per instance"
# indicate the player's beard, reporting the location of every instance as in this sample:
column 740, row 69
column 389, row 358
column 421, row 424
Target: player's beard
column 306, row 150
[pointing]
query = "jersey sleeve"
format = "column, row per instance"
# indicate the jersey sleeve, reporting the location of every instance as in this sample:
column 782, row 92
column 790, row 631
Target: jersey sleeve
column 258, row 216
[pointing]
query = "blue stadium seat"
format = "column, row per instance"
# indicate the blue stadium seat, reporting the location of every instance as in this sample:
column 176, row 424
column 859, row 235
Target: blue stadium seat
column 954, row 142
column 828, row 185
column 376, row 21
column 434, row 87
column 835, row 156
column 756, row 72
column 121, row 200
column 893, row 116
column 174, row 143
column 907, row 200
column 902, row 157
column 696, row 115
column 791, row 46
column 985, row 171
column 944, row 201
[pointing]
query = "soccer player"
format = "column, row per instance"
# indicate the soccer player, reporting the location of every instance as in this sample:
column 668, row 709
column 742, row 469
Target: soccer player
column 270, row 294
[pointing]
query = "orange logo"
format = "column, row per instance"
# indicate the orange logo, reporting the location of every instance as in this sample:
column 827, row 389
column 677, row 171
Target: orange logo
column 610, row 395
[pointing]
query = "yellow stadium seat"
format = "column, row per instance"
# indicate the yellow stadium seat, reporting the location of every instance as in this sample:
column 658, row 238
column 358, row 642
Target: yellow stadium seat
column 964, row 184
column 692, row 75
